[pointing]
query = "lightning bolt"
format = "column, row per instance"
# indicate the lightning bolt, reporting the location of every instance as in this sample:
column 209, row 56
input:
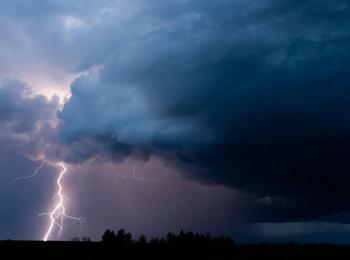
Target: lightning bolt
column 134, row 177
column 137, row 178
column 58, row 214
column 36, row 171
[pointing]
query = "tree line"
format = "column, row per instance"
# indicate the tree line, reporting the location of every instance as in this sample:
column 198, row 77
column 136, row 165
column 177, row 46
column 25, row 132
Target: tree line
column 122, row 237
column 182, row 238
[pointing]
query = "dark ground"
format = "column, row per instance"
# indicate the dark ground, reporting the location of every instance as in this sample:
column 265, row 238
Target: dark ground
column 99, row 250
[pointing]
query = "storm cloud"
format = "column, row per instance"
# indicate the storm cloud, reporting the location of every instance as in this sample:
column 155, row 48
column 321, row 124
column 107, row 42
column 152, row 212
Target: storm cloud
column 26, row 120
column 250, row 95
column 253, row 96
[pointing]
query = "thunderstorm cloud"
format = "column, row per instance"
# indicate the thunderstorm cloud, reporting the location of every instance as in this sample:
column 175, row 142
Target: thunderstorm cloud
column 26, row 120
column 251, row 95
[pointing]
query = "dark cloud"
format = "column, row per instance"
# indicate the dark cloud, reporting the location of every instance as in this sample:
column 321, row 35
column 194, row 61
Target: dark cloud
column 249, row 95
column 26, row 120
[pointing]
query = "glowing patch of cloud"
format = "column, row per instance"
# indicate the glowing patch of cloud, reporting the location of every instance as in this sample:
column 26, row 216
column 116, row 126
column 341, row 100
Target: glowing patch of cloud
column 71, row 22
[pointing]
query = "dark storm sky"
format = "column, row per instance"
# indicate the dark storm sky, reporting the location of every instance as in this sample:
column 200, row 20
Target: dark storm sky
column 246, row 103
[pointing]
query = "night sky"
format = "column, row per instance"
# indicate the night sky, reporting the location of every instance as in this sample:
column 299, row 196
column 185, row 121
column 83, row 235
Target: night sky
column 229, row 116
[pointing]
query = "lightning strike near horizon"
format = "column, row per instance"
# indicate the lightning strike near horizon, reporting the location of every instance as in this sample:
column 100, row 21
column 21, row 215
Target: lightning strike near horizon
column 58, row 214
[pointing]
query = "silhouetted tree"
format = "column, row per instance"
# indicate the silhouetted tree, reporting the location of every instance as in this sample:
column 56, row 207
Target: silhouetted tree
column 109, row 236
column 142, row 240
column 181, row 239
column 123, row 237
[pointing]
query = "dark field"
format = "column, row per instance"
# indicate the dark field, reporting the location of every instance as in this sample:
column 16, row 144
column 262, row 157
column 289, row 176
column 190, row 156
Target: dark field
column 100, row 250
